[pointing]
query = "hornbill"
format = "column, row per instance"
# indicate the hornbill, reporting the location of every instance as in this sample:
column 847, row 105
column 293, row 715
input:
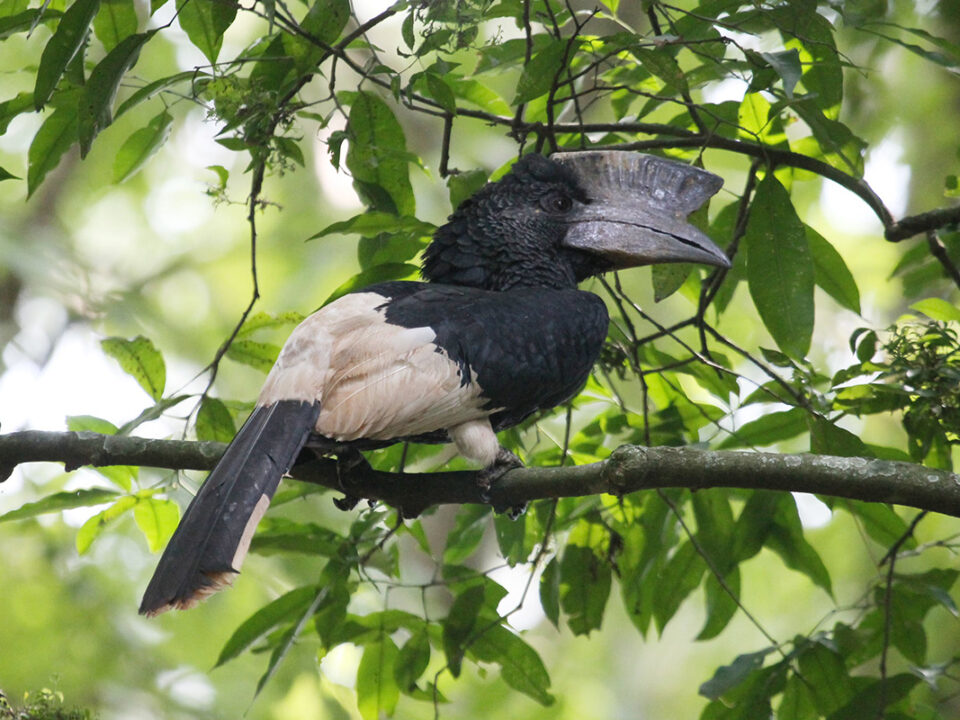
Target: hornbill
column 497, row 331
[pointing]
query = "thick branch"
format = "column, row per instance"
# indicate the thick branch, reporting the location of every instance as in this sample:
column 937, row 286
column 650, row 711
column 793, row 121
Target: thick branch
column 629, row 468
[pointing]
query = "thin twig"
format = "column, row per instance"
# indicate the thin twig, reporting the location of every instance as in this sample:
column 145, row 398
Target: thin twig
column 887, row 614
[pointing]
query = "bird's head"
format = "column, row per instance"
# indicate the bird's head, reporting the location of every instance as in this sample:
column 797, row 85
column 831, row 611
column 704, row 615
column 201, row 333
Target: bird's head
column 555, row 221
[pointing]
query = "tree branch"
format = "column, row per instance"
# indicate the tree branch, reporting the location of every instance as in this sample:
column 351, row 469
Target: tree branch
column 916, row 224
column 629, row 468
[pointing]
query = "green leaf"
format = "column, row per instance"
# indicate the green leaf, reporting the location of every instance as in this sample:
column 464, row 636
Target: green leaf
column 95, row 109
column 937, row 309
column 787, row 540
column 377, row 691
column 116, row 20
column 831, row 272
column 151, row 413
column 949, row 60
column 441, row 92
column 768, row 429
column 771, row 519
column 61, row 48
column 412, row 661
column 53, row 139
column 829, row 439
column 797, row 702
column 464, row 184
column 880, row 522
column 521, row 666
column 60, row 501
column 376, row 274
column 90, row 423
column 663, row 66
column 12, row 7
column 585, row 581
column 550, row 592
column 285, row 608
column 840, row 147
column 669, row 278
column 267, row 321
column 679, row 577
column 25, row 20
column 479, row 94
column 92, row 528
column 467, row 532
column 282, row 535
column 222, row 176
column 140, row 359
column 787, row 65
column 157, row 519
column 205, row 22
column 9, row 109
column 214, row 421
column 121, row 475
column 780, row 269
column 922, row 591
column 326, row 19
column 258, row 355
column 157, row 86
column 729, row 676
column 389, row 249
column 371, row 224
column 721, row 607
column 332, row 581
column 872, row 700
column 538, row 74
column 826, row 675
column 406, row 30
column 140, row 146
column 751, row 698
column 459, row 624
column 377, row 156
column 511, row 52
column 753, row 119
column 511, row 535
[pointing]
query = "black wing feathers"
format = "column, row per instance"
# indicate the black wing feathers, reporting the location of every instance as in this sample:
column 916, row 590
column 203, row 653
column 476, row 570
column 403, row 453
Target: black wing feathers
column 200, row 556
column 531, row 348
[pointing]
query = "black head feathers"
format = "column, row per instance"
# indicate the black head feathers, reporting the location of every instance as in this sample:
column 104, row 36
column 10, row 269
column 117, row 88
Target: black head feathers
column 509, row 233
column 554, row 222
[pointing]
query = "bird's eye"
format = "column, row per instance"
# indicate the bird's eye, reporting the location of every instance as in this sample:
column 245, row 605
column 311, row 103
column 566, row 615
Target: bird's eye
column 557, row 203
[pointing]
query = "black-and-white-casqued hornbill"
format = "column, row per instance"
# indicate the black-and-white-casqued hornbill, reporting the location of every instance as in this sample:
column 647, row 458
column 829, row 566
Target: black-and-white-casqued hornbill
column 497, row 331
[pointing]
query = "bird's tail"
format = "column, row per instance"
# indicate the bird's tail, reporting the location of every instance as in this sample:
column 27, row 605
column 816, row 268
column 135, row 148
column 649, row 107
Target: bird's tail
column 212, row 539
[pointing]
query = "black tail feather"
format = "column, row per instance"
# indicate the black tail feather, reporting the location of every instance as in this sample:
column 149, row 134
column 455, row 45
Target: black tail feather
column 213, row 536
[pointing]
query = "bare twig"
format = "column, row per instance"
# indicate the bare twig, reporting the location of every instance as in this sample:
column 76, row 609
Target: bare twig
column 916, row 224
column 887, row 613
column 939, row 251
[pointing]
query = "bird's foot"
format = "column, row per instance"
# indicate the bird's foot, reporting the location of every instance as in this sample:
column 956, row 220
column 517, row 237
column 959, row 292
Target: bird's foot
column 350, row 463
column 346, row 503
column 503, row 463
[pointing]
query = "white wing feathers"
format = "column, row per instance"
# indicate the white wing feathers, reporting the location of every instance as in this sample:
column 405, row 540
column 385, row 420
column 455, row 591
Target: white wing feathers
column 378, row 381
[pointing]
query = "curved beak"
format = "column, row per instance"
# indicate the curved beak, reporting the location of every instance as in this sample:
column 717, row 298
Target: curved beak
column 638, row 209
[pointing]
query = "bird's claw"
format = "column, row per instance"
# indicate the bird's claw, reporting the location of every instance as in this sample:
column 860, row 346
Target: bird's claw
column 349, row 463
column 347, row 502
column 503, row 463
